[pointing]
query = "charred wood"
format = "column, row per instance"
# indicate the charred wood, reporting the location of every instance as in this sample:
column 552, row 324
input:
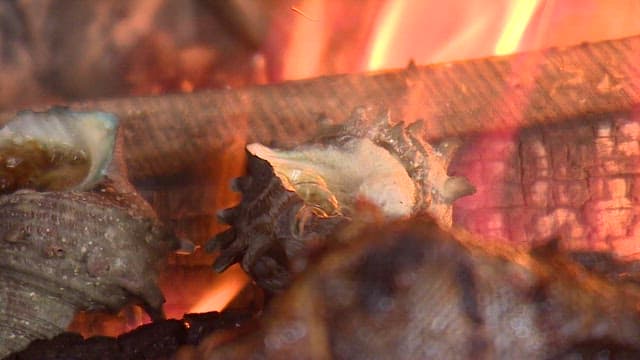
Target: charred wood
column 578, row 180
column 158, row 340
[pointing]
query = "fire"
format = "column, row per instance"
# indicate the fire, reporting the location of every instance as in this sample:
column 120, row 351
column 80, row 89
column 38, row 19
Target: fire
column 309, row 22
column 314, row 38
column 306, row 36
column 386, row 33
column 428, row 32
column 222, row 292
column 522, row 12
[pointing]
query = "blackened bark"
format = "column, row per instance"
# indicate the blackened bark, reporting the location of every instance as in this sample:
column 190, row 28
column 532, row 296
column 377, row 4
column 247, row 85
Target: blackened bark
column 579, row 181
column 158, row 340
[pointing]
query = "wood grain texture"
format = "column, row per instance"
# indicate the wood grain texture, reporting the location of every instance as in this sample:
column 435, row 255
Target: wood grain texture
column 176, row 134
column 183, row 149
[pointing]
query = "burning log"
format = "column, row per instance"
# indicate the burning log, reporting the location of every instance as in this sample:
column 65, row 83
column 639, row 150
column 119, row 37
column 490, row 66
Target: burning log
column 411, row 290
column 577, row 180
column 200, row 137
column 453, row 98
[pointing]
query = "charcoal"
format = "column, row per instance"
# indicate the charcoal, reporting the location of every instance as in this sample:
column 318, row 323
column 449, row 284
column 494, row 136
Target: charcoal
column 200, row 325
column 157, row 340
column 70, row 346
column 153, row 341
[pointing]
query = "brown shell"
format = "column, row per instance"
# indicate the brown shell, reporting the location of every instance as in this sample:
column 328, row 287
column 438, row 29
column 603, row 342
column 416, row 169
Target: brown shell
column 409, row 290
column 63, row 251
column 274, row 228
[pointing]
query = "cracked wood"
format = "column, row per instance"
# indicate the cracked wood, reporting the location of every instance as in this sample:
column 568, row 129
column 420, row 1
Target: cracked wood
column 454, row 98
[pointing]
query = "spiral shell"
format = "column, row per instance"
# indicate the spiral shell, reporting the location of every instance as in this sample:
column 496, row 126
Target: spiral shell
column 292, row 199
column 80, row 247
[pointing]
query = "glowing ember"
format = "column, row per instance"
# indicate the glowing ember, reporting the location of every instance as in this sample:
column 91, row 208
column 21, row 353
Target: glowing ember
column 222, row 292
column 427, row 32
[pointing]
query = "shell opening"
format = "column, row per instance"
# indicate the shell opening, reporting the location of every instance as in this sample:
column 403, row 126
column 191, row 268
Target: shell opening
column 331, row 179
column 56, row 150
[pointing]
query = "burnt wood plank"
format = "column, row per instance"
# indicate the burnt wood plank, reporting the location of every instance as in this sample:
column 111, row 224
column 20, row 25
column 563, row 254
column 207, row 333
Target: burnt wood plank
column 176, row 134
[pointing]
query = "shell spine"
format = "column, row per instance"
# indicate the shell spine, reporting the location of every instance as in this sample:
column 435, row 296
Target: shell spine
column 292, row 199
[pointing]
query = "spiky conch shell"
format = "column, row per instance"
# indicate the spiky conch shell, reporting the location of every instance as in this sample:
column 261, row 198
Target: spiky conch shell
column 94, row 245
column 278, row 224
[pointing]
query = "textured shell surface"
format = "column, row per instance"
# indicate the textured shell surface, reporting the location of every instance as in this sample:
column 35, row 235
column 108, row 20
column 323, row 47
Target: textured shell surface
column 93, row 243
column 56, row 149
column 293, row 198
column 408, row 289
column 320, row 177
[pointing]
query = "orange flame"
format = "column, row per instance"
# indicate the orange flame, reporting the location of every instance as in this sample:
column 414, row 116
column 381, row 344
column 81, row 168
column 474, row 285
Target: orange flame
column 428, row 32
column 520, row 15
column 385, row 35
column 404, row 24
column 302, row 58
column 222, row 291
column 435, row 31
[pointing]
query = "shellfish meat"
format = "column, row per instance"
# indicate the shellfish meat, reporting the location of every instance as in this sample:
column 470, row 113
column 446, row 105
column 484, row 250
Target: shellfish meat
column 73, row 233
column 293, row 198
column 56, row 150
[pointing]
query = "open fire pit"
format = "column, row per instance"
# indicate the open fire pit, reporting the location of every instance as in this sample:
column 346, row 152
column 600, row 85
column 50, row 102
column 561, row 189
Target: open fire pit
column 483, row 207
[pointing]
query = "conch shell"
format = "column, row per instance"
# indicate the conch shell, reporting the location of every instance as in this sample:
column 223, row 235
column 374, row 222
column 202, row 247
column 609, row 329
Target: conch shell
column 73, row 233
column 292, row 199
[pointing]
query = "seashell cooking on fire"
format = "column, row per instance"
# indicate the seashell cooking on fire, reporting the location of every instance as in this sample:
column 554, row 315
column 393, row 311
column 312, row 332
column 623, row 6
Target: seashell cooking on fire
column 292, row 199
column 73, row 233
column 56, row 150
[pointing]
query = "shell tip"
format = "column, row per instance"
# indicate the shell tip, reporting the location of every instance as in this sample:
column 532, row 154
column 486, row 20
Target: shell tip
column 240, row 184
column 222, row 263
column 417, row 127
column 448, row 147
column 227, row 216
column 186, row 247
column 456, row 187
column 220, row 241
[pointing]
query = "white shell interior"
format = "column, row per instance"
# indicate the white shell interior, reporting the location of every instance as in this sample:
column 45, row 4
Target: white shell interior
column 357, row 170
column 93, row 133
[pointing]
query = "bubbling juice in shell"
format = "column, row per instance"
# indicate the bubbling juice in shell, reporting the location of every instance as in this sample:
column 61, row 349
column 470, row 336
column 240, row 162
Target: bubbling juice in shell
column 29, row 164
